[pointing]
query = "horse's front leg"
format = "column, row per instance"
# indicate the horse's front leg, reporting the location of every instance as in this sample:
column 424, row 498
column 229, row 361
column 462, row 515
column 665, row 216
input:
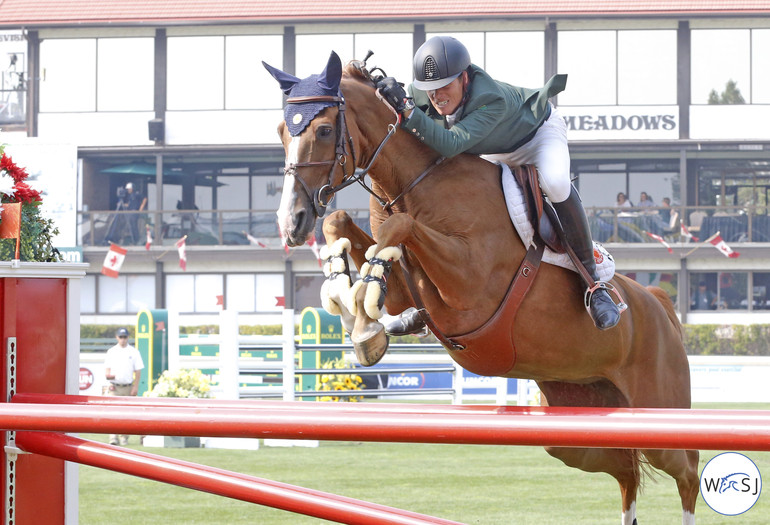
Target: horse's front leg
column 343, row 237
column 443, row 263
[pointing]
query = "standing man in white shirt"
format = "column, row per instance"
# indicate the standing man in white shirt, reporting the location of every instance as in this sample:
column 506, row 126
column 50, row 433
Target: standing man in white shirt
column 123, row 369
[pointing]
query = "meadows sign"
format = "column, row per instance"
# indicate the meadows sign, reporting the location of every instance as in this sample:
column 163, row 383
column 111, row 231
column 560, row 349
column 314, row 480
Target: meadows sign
column 621, row 122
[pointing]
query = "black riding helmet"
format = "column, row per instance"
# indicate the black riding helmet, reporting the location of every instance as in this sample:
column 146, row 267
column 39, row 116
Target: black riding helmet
column 439, row 61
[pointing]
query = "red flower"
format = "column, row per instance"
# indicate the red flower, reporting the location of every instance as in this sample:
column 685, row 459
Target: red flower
column 23, row 193
column 7, row 164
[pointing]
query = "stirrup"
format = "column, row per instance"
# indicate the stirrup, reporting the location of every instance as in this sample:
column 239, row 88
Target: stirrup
column 604, row 285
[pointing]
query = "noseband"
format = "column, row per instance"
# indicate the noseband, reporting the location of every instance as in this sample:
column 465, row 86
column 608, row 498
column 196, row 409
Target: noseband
column 322, row 197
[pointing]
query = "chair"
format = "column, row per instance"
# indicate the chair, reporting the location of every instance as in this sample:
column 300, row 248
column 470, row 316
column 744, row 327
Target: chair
column 673, row 223
column 696, row 219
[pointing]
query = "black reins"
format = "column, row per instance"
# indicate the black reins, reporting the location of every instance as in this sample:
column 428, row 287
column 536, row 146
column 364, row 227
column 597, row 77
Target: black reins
column 322, row 197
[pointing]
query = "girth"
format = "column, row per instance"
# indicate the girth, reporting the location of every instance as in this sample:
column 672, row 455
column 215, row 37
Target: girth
column 490, row 350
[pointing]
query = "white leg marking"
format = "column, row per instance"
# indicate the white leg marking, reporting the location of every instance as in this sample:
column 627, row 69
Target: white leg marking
column 628, row 517
column 288, row 197
column 688, row 518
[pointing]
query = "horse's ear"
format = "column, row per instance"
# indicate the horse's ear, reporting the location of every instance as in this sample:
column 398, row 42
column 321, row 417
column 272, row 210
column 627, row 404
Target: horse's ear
column 286, row 80
column 331, row 75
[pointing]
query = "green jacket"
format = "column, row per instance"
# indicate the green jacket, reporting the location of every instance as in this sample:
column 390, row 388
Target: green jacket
column 496, row 118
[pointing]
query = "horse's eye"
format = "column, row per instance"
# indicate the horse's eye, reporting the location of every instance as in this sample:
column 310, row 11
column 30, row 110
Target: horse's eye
column 324, row 131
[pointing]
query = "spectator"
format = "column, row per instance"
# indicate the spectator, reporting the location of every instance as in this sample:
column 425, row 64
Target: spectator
column 123, row 369
column 703, row 298
column 622, row 201
column 665, row 213
column 645, row 201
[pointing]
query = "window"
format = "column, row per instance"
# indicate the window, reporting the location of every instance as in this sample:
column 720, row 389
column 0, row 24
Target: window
column 248, row 85
column 668, row 281
column 96, row 74
column 88, row 294
column 627, row 67
column 646, row 67
column 719, row 291
column 124, row 294
column 193, row 292
column 307, row 291
column 720, row 56
column 125, row 73
column 516, row 57
column 761, row 291
column 599, row 183
column 588, row 57
column 13, row 78
column 760, row 72
column 313, row 51
column 392, row 52
column 196, row 66
column 68, row 75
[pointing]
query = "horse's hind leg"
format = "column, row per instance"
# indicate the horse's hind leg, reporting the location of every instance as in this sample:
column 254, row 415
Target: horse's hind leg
column 621, row 464
column 682, row 465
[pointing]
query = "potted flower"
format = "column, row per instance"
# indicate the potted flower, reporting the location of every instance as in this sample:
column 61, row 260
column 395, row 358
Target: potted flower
column 35, row 232
column 339, row 382
column 187, row 383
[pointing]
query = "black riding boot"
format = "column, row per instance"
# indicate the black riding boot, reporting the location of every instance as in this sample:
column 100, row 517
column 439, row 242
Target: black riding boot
column 407, row 323
column 604, row 311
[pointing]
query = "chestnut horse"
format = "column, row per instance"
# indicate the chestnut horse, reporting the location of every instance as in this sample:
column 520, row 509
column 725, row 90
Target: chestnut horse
column 451, row 219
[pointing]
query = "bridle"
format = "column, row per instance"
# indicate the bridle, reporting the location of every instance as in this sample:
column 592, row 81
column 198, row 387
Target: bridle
column 322, row 197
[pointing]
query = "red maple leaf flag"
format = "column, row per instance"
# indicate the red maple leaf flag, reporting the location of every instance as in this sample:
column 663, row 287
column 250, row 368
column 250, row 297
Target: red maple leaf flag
column 113, row 261
column 660, row 240
column 149, row 238
column 686, row 233
column 722, row 246
column 10, row 223
column 181, row 247
column 253, row 240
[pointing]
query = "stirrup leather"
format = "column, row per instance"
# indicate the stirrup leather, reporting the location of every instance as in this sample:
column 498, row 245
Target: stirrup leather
column 604, row 285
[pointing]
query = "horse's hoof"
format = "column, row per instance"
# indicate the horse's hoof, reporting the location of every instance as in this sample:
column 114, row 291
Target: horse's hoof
column 370, row 344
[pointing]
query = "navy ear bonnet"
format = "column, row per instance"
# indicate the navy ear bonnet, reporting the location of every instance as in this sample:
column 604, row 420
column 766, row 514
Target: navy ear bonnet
column 298, row 115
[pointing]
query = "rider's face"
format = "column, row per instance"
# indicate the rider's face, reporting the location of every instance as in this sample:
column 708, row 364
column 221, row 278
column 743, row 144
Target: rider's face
column 447, row 99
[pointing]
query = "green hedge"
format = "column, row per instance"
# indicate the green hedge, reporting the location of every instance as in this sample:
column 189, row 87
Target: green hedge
column 712, row 339
column 699, row 339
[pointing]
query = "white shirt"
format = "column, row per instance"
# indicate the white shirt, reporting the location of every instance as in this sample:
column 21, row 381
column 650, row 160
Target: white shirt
column 122, row 362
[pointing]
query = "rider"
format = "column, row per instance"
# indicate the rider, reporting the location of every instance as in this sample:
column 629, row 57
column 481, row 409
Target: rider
column 456, row 107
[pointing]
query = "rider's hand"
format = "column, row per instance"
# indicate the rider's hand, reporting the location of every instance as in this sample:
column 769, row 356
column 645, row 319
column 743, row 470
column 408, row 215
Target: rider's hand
column 393, row 92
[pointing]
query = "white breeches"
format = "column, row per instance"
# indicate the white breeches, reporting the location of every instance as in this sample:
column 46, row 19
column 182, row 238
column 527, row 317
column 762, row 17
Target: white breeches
column 549, row 152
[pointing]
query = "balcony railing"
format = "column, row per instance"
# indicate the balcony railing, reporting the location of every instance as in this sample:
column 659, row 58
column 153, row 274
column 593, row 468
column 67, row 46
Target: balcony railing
column 244, row 227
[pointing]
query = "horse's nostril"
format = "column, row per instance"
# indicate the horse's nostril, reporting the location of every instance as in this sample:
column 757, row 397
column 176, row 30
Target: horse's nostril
column 299, row 219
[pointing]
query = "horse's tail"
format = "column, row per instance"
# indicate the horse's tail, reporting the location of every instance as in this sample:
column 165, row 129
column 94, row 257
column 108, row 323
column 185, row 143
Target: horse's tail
column 663, row 298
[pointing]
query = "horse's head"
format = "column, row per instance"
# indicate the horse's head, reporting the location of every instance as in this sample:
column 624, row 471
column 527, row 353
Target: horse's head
column 315, row 157
column 322, row 145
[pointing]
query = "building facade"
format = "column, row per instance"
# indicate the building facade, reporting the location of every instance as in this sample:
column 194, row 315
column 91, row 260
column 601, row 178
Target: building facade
column 671, row 99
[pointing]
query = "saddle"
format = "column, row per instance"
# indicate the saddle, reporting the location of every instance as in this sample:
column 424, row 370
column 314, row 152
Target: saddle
column 542, row 216
column 547, row 225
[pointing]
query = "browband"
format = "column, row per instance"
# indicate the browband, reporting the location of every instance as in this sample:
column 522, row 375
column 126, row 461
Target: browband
column 314, row 98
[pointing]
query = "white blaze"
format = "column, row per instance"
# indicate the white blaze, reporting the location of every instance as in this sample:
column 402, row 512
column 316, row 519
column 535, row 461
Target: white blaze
column 284, row 211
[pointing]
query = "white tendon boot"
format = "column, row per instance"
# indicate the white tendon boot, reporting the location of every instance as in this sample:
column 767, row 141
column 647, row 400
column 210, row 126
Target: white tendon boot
column 335, row 290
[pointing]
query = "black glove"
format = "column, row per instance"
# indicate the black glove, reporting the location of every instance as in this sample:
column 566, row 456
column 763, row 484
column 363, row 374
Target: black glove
column 393, row 92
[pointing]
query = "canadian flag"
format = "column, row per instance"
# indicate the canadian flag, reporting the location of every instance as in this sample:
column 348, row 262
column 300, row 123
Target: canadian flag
column 181, row 247
column 253, row 240
column 114, row 260
column 660, row 240
column 316, row 250
column 149, row 238
column 686, row 233
column 722, row 246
